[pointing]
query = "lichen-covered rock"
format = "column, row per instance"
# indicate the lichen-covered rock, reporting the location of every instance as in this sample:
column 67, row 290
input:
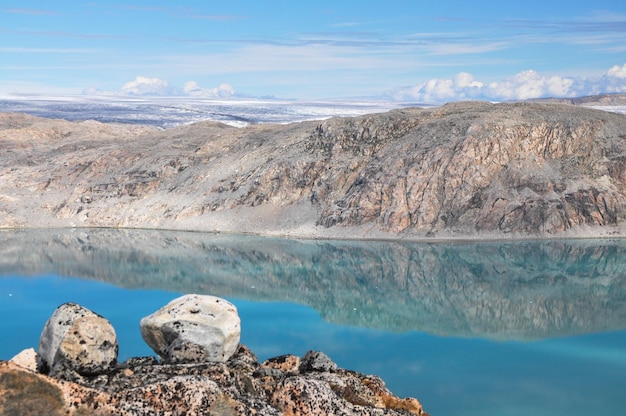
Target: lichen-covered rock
column 239, row 387
column 304, row 396
column 287, row 363
column 192, row 329
column 75, row 339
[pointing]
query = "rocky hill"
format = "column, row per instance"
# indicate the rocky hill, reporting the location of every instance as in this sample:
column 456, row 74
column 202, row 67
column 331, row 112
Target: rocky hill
column 469, row 169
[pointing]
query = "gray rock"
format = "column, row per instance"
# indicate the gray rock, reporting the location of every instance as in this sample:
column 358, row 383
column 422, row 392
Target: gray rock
column 317, row 361
column 192, row 329
column 78, row 340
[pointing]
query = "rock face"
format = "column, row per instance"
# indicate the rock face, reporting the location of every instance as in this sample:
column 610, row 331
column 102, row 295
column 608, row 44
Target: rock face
column 463, row 169
column 193, row 328
column 76, row 340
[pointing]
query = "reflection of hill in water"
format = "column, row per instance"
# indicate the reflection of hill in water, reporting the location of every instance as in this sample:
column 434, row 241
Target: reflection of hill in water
column 512, row 290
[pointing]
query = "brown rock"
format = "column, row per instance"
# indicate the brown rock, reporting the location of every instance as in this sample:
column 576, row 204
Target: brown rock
column 285, row 363
column 25, row 393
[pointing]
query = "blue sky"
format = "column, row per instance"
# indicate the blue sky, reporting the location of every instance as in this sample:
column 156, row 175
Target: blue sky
column 394, row 49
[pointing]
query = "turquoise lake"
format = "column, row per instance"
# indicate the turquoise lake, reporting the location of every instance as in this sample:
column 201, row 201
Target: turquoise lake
column 489, row 328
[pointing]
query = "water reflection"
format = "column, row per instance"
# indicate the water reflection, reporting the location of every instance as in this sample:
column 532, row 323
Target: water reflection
column 502, row 290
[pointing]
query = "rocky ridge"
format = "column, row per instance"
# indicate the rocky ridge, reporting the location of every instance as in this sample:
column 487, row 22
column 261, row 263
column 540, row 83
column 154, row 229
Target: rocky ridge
column 470, row 169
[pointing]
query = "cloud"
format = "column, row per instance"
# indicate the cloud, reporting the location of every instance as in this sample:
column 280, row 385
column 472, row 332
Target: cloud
column 34, row 12
column 46, row 50
column 217, row 17
column 144, row 8
column 147, row 86
column 524, row 85
column 614, row 80
column 617, row 72
column 191, row 88
column 462, row 86
column 144, row 86
column 63, row 34
column 530, row 84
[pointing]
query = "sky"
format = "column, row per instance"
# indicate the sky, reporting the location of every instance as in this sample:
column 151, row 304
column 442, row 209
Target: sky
column 415, row 51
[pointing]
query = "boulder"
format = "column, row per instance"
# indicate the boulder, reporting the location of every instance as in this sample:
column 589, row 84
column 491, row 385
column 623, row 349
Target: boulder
column 78, row 340
column 27, row 359
column 193, row 328
column 317, row 361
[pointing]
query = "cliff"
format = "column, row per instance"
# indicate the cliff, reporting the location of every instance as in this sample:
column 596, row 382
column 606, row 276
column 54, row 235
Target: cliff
column 468, row 169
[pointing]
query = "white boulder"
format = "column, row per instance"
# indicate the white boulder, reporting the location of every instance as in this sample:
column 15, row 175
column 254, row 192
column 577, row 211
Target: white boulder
column 193, row 328
column 77, row 339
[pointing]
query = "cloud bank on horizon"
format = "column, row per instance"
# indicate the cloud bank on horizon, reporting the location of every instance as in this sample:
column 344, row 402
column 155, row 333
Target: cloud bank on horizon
column 401, row 49
column 156, row 87
column 523, row 86
column 463, row 86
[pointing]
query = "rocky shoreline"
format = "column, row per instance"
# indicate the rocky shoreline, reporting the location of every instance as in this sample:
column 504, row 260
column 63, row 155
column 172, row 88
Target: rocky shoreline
column 75, row 371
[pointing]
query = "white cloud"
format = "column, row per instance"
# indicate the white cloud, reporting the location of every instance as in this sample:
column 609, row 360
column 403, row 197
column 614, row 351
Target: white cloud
column 531, row 84
column 462, row 86
column 144, row 86
column 192, row 88
column 614, row 80
column 147, row 86
column 524, row 85
column 617, row 71
column 465, row 80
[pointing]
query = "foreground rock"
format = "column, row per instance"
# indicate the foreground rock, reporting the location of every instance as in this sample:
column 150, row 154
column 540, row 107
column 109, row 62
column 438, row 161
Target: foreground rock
column 232, row 384
column 77, row 340
column 464, row 169
column 193, row 328
column 240, row 386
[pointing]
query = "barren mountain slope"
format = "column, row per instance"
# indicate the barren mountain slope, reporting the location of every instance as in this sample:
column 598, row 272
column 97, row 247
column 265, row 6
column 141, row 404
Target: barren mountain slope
column 466, row 169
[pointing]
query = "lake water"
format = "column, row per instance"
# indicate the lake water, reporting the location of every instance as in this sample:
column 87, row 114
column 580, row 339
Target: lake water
column 493, row 328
